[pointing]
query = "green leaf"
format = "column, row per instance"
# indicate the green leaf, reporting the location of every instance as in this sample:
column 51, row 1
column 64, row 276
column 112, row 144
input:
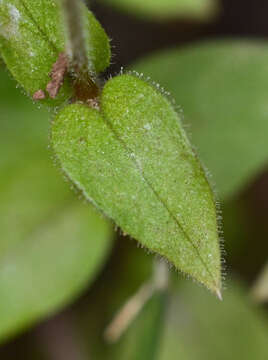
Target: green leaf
column 31, row 38
column 198, row 327
column 52, row 246
column 162, row 9
column 221, row 87
column 260, row 289
column 133, row 160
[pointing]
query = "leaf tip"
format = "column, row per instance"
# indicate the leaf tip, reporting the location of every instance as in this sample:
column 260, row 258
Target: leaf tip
column 219, row 294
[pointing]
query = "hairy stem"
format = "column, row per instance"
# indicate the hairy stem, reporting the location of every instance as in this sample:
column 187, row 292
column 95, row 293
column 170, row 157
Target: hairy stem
column 84, row 77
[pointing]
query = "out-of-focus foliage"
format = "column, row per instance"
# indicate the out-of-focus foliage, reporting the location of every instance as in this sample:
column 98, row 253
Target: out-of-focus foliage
column 164, row 9
column 52, row 245
column 199, row 327
column 222, row 88
column 260, row 289
column 194, row 326
column 127, row 271
column 143, row 338
column 133, row 160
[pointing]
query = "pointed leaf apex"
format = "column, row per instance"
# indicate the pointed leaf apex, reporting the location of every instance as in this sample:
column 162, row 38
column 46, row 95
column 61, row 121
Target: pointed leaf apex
column 219, row 294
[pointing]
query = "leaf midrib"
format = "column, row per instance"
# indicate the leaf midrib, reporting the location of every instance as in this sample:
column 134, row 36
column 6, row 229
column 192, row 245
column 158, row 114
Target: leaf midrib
column 128, row 150
column 45, row 36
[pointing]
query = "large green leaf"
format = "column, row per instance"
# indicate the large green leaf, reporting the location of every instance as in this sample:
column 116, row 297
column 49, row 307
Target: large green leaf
column 162, row 9
column 221, row 87
column 31, row 38
column 133, row 160
column 198, row 327
column 51, row 245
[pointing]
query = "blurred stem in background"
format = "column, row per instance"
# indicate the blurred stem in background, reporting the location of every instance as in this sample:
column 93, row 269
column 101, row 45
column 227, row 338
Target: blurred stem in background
column 133, row 306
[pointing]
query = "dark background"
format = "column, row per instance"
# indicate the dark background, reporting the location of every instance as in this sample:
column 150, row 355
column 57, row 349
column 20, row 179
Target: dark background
column 133, row 38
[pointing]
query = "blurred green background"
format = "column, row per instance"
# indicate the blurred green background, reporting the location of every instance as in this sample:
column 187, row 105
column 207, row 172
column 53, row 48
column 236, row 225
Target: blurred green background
column 65, row 271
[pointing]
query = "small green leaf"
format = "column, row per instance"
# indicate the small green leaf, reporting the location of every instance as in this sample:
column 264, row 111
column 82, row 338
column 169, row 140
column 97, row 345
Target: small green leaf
column 133, row 160
column 32, row 37
column 52, row 246
column 222, row 88
column 162, row 9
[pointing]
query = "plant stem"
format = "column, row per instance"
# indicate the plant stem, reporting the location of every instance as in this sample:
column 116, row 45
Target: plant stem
column 133, row 306
column 84, row 78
